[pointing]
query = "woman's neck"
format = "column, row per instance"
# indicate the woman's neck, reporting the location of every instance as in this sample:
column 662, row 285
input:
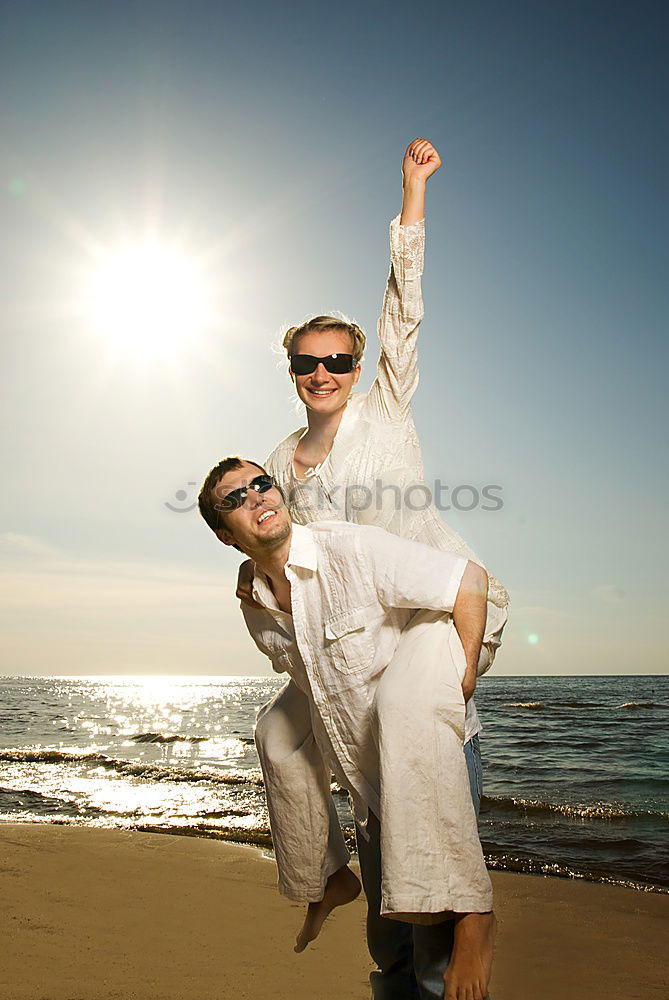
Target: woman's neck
column 322, row 427
column 316, row 443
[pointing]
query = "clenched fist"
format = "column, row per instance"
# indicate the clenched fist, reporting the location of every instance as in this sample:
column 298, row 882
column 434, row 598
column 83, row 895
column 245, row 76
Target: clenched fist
column 421, row 160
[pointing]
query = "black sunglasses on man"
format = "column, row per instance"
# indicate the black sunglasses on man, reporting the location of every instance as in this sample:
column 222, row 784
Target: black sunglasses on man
column 236, row 498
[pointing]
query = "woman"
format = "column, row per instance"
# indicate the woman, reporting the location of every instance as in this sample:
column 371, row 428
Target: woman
column 359, row 459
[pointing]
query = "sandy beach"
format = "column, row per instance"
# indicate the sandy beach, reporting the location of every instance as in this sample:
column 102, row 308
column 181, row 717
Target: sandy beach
column 89, row 914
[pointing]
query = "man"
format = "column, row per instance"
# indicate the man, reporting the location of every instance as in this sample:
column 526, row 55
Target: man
column 333, row 599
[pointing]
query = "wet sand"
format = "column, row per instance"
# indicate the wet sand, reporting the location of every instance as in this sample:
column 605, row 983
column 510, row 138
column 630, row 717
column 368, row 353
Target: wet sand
column 89, row 914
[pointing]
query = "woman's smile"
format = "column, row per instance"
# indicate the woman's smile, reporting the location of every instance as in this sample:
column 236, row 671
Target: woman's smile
column 321, row 386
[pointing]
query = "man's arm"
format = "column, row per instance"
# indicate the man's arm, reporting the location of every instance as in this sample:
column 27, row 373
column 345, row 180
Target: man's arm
column 469, row 617
column 409, row 574
column 245, row 584
column 259, row 622
column 397, row 373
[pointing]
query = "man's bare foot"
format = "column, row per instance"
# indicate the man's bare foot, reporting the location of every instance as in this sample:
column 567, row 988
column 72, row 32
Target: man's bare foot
column 341, row 887
column 468, row 972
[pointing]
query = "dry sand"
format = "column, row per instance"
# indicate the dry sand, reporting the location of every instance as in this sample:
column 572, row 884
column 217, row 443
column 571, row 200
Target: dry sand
column 88, row 914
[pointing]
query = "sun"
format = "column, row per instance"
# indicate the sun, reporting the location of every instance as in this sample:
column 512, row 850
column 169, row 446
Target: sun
column 147, row 300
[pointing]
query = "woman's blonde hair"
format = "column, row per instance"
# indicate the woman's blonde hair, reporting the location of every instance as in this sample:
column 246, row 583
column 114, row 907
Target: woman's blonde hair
column 319, row 324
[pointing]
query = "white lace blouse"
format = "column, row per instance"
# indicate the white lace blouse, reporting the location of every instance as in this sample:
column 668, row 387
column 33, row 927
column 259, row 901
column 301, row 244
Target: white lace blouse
column 374, row 471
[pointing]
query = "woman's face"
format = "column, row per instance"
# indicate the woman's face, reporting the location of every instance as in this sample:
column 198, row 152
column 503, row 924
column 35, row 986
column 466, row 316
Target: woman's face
column 321, row 391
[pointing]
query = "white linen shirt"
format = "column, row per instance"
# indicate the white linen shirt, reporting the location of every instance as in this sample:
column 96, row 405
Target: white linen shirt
column 374, row 472
column 353, row 590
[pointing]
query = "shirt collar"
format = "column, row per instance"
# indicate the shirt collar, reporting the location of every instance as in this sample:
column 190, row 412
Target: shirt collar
column 348, row 432
column 303, row 553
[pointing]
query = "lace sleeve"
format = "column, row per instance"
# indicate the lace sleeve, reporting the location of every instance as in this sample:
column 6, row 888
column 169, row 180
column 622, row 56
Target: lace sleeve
column 397, row 373
column 407, row 250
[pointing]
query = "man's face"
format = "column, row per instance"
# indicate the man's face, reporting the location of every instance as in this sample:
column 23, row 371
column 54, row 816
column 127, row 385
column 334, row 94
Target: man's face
column 261, row 524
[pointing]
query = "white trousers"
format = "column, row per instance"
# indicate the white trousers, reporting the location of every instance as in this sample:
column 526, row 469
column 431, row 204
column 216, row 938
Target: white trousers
column 431, row 853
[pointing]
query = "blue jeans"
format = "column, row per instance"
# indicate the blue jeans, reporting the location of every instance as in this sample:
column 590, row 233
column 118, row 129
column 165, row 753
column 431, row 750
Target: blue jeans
column 411, row 958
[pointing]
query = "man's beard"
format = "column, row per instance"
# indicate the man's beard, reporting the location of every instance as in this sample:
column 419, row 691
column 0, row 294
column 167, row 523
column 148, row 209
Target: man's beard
column 272, row 540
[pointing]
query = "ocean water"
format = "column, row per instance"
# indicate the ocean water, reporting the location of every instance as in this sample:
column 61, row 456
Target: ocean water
column 575, row 769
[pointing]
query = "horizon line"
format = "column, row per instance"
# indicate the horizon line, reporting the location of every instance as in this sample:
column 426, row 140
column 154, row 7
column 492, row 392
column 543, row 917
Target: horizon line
column 274, row 676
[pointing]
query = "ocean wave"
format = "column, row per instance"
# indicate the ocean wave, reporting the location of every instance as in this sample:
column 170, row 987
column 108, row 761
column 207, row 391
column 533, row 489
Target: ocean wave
column 602, row 810
column 160, row 738
column 540, row 705
column 552, row 704
column 173, row 738
column 134, row 769
column 152, row 772
column 579, row 704
column 259, row 835
column 29, row 793
column 509, row 863
column 14, row 800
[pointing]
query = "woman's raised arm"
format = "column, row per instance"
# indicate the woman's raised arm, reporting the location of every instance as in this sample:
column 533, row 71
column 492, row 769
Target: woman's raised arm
column 421, row 160
column 397, row 372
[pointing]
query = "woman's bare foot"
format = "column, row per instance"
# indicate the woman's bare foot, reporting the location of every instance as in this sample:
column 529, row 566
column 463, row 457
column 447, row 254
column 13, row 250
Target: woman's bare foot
column 468, row 972
column 341, row 887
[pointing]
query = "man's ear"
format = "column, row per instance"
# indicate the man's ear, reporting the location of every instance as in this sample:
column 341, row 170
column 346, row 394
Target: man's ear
column 291, row 373
column 224, row 536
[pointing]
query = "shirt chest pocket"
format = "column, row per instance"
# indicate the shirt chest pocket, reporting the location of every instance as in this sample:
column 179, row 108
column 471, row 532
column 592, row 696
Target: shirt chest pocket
column 348, row 640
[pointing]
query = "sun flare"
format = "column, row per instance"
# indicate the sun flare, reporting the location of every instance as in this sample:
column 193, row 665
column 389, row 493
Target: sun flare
column 148, row 300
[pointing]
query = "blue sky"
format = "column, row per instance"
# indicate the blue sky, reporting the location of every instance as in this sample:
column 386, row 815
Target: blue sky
column 266, row 144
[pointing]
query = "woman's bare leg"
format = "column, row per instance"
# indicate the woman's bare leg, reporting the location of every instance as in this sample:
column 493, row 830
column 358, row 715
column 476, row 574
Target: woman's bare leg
column 311, row 856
